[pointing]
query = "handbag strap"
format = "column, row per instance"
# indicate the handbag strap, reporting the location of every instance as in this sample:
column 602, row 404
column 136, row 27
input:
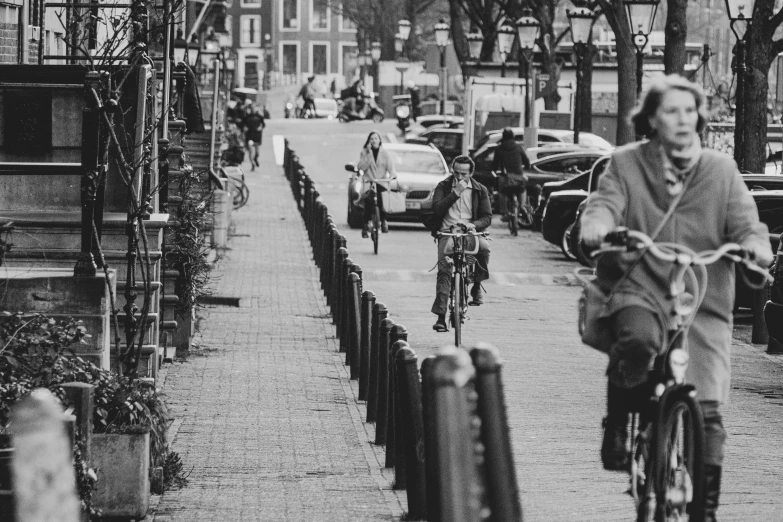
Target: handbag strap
column 658, row 229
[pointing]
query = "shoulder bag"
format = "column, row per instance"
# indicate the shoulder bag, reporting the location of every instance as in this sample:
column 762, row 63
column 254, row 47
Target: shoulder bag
column 594, row 301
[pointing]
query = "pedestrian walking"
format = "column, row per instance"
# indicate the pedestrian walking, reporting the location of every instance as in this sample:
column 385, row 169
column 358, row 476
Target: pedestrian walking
column 254, row 124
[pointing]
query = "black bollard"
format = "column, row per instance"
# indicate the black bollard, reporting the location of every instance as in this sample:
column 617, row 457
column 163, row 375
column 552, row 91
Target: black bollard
column 329, row 257
column 354, row 324
column 394, row 455
column 759, row 332
column 340, row 257
column 379, row 313
column 368, row 301
column 460, row 489
column 342, row 320
column 411, row 426
column 307, row 189
column 502, row 489
column 351, row 356
column 428, row 415
column 383, row 381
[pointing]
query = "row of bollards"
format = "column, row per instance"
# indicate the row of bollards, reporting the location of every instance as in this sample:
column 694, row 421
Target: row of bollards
column 444, row 428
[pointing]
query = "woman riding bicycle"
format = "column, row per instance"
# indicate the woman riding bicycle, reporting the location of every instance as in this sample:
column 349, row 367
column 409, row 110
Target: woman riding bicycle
column 641, row 181
column 377, row 164
column 508, row 162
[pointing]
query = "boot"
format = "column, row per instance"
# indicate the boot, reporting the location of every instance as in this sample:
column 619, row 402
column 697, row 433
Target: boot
column 440, row 324
column 614, row 452
column 366, row 230
column 384, row 226
column 477, row 293
column 712, row 475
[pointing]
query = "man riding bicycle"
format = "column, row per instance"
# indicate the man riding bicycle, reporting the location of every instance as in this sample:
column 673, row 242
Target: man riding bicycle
column 460, row 199
column 509, row 160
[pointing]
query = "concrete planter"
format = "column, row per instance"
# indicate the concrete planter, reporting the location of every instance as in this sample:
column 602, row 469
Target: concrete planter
column 122, row 462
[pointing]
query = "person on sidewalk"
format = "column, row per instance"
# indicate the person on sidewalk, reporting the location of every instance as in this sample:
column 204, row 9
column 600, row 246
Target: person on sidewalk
column 254, row 125
column 460, row 199
column 377, row 163
column 641, row 182
column 509, row 160
column 308, row 92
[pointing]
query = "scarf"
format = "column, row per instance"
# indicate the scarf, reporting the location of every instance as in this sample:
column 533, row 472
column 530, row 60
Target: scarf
column 679, row 163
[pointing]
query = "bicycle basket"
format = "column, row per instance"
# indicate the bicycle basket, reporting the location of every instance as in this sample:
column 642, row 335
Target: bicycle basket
column 470, row 243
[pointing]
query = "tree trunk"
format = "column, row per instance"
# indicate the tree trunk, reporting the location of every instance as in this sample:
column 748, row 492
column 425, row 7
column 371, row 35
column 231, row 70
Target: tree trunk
column 676, row 32
column 626, row 72
column 759, row 55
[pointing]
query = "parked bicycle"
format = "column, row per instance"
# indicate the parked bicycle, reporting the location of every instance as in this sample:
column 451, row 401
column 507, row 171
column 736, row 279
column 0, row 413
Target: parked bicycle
column 236, row 185
column 462, row 249
column 667, row 449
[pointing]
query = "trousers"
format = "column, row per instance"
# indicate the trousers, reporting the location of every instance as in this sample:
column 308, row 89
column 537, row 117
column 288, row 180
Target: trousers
column 637, row 341
column 443, row 284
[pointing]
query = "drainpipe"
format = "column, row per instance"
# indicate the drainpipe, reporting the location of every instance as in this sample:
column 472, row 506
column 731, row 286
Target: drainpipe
column 24, row 29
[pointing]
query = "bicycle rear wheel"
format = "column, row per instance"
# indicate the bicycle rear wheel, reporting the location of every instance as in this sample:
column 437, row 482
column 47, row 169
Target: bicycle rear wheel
column 376, row 229
column 456, row 310
column 513, row 222
column 239, row 192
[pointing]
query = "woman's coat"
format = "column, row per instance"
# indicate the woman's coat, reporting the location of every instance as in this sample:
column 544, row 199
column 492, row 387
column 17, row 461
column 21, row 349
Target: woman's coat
column 716, row 208
column 376, row 169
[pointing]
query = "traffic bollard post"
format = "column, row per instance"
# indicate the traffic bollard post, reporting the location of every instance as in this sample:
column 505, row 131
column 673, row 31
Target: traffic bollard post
column 502, row 488
column 340, row 257
column 379, row 313
column 411, row 426
column 384, row 332
column 354, row 324
column 365, row 332
column 428, row 415
column 350, row 356
column 329, row 257
column 342, row 322
column 457, row 448
column 398, row 333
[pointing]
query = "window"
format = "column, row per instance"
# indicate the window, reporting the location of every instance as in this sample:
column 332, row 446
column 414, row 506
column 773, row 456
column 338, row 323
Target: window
column 348, row 57
column 252, row 68
column 346, row 24
column 319, row 15
column 251, row 3
column 290, row 15
column 251, row 30
column 320, row 57
column 290, row 58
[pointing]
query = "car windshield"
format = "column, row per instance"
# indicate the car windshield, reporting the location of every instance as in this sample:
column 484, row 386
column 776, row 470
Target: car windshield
column 418, row 162
column 589, row 140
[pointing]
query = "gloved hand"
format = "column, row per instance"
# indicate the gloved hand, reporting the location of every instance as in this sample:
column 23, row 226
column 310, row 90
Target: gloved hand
column 760, row 253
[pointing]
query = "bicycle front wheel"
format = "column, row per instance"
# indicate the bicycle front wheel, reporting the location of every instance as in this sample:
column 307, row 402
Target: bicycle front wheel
column 239, row 192
column 680, row 447
column 376, row 229
column 456, row 310
column 526, row 212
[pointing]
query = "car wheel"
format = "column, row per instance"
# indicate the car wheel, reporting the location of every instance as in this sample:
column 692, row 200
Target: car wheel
column 565, row 242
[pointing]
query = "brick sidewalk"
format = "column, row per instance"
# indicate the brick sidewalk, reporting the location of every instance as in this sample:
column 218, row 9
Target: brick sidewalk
column 265, row 414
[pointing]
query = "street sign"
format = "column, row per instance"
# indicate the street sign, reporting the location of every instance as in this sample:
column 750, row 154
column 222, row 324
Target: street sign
column 543, row 84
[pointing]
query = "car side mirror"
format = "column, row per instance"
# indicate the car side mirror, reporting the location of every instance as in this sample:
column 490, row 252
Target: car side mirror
column 350, row 167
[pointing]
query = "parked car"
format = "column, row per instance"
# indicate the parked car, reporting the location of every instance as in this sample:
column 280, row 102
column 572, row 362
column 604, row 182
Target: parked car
column 430, row 121
column 326, row 108
column 766, row 189
column 580, row 182
column 419, row 169
column 447, row 141
column 546, row 137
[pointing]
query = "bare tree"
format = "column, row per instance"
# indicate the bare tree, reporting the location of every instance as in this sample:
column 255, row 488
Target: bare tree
column 676, row 32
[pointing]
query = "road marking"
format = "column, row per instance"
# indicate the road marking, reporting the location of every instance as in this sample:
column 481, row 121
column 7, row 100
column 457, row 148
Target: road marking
column 497, row 278
column 278, row 145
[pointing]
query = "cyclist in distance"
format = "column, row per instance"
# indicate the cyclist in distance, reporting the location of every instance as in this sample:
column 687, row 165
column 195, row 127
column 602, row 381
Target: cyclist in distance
column 308, row 92
column 460, row 199
column 376, row 163
column 640, row 182
column 508, row 162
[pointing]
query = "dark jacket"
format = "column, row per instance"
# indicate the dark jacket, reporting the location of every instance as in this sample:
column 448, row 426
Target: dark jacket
column 510, row 157
column 444, row 197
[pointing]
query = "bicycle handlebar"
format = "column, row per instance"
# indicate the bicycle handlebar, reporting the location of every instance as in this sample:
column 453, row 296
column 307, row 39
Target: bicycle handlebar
column 462, row 234
column 623, row 239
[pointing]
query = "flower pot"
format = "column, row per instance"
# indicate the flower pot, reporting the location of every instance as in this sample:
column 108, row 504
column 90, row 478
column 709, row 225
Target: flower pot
column 122, row 462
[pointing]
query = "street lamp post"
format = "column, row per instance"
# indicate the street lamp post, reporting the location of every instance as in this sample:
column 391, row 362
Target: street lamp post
column 442, row 40
column 403, row 32
column 527, row 28
column 375, row 54
column 581, row 22
column 475, row 43
column 641, row 15
column 505, row 41
column 740, row 15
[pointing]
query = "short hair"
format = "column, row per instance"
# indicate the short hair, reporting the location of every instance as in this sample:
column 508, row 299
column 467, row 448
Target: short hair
column 651, row 100
column 464, row 160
